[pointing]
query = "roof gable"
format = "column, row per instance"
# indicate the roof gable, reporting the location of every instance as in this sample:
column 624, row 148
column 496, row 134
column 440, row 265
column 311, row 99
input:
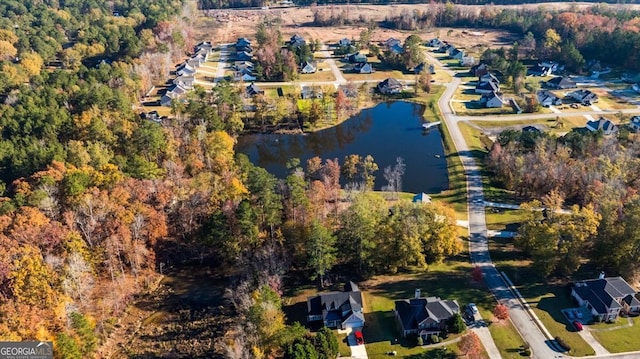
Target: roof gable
column 332, row 305
column 431, row 310
column 601, row 293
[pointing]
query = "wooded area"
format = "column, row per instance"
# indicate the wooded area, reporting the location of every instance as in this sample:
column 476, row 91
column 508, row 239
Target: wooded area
column 95, row 200
column 595, row 173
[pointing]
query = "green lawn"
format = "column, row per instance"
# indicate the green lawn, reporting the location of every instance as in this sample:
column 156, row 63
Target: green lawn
column 507, row 339
column 456, row 195
column 621, row 339
column 343, row 347
column 504, row 219
column 546, row 299
column 449, row 280
column 507, row 123
column 471, row 109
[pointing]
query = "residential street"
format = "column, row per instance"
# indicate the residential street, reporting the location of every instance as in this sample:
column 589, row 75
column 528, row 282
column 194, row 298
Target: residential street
column 326, row 53
column 478, row 245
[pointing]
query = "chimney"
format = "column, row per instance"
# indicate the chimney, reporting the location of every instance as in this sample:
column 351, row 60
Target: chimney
column 417, row 293
column 601, row 276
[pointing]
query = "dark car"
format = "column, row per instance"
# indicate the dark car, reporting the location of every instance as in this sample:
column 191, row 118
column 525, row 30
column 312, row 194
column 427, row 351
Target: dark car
column 359, row 337
column 578, row 325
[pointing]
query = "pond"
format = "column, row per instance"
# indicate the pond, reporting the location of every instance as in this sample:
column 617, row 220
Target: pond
column 386, row 131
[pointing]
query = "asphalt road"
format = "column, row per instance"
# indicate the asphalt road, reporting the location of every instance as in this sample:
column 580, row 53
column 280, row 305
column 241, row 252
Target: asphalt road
column 478, row 245
column 541, row 346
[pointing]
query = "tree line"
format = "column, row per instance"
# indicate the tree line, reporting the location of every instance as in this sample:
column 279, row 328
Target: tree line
column 593, row 33
column 595, row 174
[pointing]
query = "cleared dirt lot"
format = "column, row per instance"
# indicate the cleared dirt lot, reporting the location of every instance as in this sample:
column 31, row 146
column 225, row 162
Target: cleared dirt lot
column 228, row 25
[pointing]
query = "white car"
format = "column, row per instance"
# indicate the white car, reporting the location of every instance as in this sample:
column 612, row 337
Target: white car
column 472, row 307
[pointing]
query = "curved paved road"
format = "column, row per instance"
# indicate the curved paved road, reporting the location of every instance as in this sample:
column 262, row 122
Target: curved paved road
column 478, row 244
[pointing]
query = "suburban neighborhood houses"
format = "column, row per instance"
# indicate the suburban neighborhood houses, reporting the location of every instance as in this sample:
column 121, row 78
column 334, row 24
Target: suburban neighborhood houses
column 474, row 90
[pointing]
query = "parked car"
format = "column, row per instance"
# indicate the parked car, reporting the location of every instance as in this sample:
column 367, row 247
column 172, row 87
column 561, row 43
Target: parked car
column 578, row 325
column 472, row 307
column 359, row 337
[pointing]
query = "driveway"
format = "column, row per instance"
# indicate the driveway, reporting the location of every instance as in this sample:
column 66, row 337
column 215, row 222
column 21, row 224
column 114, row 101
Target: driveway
column 357, row 351
column 597, row 347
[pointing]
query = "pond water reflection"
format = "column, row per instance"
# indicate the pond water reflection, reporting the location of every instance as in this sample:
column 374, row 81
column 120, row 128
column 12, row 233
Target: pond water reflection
column 386, row 131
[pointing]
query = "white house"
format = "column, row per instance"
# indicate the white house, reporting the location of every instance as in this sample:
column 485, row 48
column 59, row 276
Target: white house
column 491, row 100
column 634, row 125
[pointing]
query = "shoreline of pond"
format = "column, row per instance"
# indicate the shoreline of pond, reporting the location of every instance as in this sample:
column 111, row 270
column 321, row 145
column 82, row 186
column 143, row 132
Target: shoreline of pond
column 365, row 136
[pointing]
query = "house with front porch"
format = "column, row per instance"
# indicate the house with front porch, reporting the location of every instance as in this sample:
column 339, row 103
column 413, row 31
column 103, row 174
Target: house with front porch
column 606, row 298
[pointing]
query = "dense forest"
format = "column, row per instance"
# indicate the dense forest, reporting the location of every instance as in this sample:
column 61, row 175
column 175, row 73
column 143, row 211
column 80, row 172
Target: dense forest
column 94, row 200
column 596, row 174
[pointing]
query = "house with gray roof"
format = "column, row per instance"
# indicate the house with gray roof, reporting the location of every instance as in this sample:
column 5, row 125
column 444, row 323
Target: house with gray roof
column 253, row 90
column 175, row 91
column 297, row 41
column 185, row 70
column 337, row 309
column 547, row 98
column 434, row 43
column 243, row 56
column 487, row 87
column 344, row 42
column 308, row 67
column 184, row 81
column 390, row 86
column 356, row 58
column 602, row 124
column 606, row 298
column 634, row 124
column 424, row 316
column 492, row 100
column 561, row 83
column 456, row 54
column 585, row 97
column 363, row 68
